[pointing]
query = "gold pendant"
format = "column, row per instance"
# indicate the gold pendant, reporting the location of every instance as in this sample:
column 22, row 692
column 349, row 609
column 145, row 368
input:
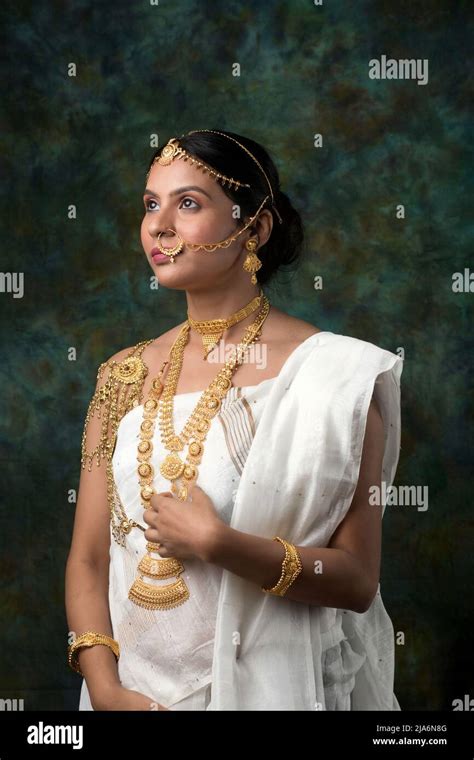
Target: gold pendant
column 163, row 597
column 172, row 467
column 160, row 568
column 158, row 596
column 210, row 341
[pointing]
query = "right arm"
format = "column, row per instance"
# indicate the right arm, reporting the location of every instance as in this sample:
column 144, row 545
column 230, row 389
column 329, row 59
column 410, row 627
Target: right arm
column 87, row 582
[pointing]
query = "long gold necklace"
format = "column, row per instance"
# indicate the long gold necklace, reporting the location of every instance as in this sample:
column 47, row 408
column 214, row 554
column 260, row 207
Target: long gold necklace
column 158, row 596
column 211, row 330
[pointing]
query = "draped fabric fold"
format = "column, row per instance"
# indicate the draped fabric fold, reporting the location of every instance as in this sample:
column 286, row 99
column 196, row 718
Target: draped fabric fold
column 298, row 482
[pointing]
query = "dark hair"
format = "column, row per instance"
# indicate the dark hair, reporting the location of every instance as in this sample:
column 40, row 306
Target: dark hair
column 285, row 243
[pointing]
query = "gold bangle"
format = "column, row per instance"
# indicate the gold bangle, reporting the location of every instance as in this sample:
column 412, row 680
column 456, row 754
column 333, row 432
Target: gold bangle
column 290, row 569
column 90, row 639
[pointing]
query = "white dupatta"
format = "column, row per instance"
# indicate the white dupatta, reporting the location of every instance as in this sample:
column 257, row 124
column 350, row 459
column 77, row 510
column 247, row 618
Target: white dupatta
column 272, row 653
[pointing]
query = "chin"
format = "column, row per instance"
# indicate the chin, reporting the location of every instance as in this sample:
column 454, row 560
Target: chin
column 172, row 276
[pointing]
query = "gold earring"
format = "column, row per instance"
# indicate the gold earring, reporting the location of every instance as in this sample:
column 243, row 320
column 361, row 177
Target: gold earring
column 252, row 263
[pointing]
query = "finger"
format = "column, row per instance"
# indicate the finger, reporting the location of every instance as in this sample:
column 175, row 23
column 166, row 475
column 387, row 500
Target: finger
column 149, row 516
column 195, row 490
column 153, row 503
column 151, row 534
column 155, row 500
column 154, row 506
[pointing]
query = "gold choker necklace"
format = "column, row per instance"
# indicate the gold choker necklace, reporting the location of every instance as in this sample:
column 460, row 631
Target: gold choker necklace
column 211, row 330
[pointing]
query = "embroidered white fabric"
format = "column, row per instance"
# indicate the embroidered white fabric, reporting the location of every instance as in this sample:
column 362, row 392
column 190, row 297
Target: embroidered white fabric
column 292, row 472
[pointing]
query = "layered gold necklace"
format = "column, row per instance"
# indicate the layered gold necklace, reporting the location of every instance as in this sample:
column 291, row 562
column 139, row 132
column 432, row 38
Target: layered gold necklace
column 182, row 474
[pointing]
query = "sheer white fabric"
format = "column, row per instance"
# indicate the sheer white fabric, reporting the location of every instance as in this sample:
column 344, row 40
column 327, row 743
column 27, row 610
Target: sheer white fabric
column 298, row 482
column 293, row 474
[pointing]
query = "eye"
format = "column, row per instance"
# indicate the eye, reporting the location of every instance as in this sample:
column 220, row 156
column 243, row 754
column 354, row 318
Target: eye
column 185, row 204
column 196, row 205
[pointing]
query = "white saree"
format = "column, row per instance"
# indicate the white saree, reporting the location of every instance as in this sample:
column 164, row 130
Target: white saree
column 271, row 653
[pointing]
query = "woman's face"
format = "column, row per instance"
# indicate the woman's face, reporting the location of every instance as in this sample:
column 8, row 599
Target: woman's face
column 183, row 198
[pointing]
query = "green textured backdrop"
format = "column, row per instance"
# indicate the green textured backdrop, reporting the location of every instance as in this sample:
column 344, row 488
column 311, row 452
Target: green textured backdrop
column 85, row 140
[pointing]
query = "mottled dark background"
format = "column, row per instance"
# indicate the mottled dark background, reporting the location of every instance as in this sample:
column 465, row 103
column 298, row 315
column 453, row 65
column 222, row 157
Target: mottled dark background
column 167, row 69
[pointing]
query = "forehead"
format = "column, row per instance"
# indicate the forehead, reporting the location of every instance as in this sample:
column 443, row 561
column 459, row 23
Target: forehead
column 165, row 179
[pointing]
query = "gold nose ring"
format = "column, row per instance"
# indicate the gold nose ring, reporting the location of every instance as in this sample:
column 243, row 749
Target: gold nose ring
column 171, row 252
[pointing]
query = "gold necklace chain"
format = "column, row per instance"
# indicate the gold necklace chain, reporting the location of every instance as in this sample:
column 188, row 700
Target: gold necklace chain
column 207, row 407
column 164, row 596
column 211, row 330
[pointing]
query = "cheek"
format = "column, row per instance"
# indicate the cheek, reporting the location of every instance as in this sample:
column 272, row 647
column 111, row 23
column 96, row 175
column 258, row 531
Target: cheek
column 208, row 227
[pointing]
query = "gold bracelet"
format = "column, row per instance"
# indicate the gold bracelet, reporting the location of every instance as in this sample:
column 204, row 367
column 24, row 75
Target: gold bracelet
column 90, row 639
column 290, row 569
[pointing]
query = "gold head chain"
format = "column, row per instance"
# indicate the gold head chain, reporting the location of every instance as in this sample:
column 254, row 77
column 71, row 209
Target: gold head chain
column 173, row 150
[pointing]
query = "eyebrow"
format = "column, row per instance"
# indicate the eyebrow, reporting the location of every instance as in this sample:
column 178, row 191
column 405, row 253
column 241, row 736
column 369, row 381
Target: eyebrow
column 181, row 190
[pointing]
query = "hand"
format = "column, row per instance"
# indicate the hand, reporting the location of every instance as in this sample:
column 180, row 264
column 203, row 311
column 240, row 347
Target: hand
column 119, row 698
column 183, row 528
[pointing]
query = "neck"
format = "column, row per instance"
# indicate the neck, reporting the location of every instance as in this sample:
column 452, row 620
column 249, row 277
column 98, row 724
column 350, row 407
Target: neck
column 221, row 304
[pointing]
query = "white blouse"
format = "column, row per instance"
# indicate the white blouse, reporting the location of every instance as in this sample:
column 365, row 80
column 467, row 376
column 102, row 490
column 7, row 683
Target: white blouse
column 167, row 654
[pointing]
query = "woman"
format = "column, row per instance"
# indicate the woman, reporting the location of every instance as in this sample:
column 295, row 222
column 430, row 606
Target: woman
column 226, row 552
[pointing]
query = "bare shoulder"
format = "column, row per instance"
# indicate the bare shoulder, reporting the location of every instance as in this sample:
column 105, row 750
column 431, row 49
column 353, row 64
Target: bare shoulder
column 288, row 329
column 162, row 343
column 160, row 347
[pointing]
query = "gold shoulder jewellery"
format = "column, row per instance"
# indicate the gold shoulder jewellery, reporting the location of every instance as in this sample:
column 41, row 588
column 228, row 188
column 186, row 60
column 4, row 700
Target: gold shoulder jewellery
column 112, row 400
column 120, row 393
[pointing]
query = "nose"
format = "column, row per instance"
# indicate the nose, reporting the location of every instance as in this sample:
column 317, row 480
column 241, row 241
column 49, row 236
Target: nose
column 166, row 233
column 160, row 222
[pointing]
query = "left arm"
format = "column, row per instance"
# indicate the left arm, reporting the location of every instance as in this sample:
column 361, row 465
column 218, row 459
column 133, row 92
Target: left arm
column 350, row 565
column 345, row 575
